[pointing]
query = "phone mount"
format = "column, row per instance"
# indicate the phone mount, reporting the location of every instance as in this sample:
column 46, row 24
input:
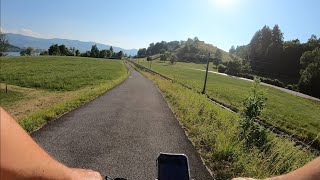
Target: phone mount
column 173, row 166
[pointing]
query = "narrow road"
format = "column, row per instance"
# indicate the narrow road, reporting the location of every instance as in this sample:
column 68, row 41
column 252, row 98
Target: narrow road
column 120, row 133
column 269, row 85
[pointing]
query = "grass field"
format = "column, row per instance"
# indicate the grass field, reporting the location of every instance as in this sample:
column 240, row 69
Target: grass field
column 44, row 87
column 215, row 133
column 287, row 112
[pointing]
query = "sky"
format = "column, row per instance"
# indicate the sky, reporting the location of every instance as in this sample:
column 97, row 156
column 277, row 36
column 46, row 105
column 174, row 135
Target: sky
column 137, row 23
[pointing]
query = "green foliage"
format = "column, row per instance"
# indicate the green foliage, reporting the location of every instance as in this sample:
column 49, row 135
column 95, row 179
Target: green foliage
column 252, row 133
column 192, row 50
column 149, row 58
column 142, row 52
column 77, row 52
column 94, row 51
column 58, row 73
column 27, row 52
column 310, row 76
column 215, row 133
column 233, row 67
column 284, row 111
column 3, row 44
column 222, row 68
column 163, row 57
column 44, row 53
column 310, row 79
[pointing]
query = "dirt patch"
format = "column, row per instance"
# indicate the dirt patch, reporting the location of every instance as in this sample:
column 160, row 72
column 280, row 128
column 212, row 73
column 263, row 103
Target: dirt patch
column 33, row 100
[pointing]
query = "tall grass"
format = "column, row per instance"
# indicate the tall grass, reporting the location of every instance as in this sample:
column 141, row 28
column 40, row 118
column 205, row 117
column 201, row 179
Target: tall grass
column 215, row 133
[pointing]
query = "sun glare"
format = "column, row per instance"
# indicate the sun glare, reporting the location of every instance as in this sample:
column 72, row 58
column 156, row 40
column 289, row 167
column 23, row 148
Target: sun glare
column 223, row 3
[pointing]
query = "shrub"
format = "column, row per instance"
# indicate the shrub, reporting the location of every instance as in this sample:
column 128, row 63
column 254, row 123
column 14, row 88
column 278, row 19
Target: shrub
column 221, row 68
column 149, row 58
column 274, row 82
column 251, row 132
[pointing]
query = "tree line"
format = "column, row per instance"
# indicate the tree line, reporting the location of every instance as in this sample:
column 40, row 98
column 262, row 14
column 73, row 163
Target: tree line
column 62, row 50
column 269, row 55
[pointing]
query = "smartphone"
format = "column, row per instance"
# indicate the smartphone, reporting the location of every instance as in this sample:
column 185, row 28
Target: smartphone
column 173, row 167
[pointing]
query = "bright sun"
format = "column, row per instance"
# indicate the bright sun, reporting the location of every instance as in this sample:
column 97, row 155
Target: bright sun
column 224, row 3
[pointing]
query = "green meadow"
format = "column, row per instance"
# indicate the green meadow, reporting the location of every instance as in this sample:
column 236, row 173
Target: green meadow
column 294, row 115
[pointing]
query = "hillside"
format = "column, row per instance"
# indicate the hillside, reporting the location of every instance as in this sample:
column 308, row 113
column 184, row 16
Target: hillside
column 192, row 50
column 197, row 51
column 12, row 48
column 22, row 41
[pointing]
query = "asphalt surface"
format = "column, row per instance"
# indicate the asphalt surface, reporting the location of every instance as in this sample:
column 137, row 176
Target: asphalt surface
column 120, row 133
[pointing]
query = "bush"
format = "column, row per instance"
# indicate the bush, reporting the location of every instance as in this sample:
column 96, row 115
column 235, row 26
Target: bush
column 274, row 82
column 221, row 68
column 251, row 132
column 149, row 58
column 233, row 68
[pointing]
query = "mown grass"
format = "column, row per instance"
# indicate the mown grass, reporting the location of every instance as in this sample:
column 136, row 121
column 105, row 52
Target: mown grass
column 10, row 97
column 185, row 65
column 58, row 72
column 215, row 133
column 294, row 115
column 69, row 81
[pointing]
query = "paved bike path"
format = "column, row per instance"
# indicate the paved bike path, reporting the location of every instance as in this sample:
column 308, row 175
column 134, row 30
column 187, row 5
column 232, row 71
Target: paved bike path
column 120, row 133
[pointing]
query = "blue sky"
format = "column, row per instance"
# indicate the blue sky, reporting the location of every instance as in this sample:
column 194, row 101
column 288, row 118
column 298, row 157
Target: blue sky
column 137, row 23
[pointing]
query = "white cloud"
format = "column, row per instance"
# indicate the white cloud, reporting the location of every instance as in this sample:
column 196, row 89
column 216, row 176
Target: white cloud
column 24, row 31
column 29, row 32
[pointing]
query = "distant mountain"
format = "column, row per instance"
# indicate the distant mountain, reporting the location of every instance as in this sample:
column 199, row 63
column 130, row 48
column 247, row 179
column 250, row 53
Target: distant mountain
column 12, row 48
column 23, row 41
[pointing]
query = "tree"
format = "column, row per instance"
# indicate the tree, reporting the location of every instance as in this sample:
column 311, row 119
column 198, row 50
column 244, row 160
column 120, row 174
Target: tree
column 77, row 53
column 103, row 54
column 111, row 49
column 94, row 51
column 54, row 50
column 120, row 55
column 233, row 67
column 232, row 50
column 310, row 57
column 310, row 76
column 309, row 80
column 142, row 52
column 172, row 58
column 277, row 35
column 109, row 53
column 86, row 54
column 27, row 52
column 217, row 57
column 3, row 44
column 149, row 58
column 63, row 50
column 163, row 57
column 44, row 53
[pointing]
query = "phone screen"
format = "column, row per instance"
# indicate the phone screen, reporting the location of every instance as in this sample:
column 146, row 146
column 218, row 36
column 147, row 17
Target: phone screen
column 173, row 167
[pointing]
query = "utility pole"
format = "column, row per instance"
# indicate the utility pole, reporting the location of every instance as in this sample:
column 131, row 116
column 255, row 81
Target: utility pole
column 150, row 63
column 206, row 77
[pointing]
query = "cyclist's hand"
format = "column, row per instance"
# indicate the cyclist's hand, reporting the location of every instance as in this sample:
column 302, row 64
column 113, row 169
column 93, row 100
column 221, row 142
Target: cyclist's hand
column 84, row 174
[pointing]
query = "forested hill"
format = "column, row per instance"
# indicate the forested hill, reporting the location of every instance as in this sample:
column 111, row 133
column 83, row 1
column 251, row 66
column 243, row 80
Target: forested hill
column 269, row 55
column 192, row 50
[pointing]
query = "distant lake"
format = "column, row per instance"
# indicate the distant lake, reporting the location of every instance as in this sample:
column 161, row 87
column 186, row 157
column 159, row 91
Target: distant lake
column 18, row 54
column 13, row 53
